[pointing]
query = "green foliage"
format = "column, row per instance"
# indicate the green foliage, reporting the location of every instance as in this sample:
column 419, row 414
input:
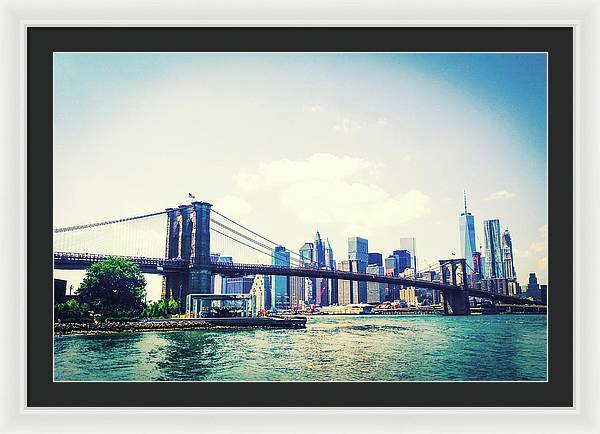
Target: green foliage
column 114, row 287
column 72, row 310
column 161, row 309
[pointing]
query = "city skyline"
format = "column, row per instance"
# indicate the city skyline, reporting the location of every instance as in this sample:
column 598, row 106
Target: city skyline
column 341, row 143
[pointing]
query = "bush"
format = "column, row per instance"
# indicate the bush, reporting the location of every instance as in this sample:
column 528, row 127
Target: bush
column 161, row 309
column 72, row 310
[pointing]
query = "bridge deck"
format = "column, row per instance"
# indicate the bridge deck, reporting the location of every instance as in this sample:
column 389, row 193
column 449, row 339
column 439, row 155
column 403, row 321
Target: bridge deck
column 80, row 261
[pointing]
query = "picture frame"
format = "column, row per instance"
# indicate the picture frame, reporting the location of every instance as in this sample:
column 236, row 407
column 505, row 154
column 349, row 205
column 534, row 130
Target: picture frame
column 355, row 417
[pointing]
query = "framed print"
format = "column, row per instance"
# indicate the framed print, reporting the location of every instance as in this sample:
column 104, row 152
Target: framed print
column 198, row 291
column 271, row 217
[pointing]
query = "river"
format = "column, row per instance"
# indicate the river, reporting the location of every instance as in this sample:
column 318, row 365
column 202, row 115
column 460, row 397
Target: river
column 331, row 348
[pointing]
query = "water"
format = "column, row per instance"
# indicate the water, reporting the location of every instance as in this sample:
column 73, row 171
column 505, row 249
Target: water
column 331, row 348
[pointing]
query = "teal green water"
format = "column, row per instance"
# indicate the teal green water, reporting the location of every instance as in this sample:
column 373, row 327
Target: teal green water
column 331, row 348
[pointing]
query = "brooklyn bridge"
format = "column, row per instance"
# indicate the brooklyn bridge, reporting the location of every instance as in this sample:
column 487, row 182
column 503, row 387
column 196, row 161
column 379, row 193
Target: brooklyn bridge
column 194, row 232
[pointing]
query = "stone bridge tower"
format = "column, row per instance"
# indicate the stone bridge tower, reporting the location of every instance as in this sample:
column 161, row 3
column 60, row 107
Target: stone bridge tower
column 454, row 272
column 188, row 239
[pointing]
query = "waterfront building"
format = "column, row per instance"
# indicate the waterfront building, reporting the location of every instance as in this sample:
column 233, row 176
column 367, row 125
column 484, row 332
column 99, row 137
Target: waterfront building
column 375, row 290
column 280, row 299
column 409, row 295
column 410, row 244
column 477, row 267
column 513, row 287
column 333, row 292
column 544, row 293
column 493, row 249
column 375, row 259
column 319, row 251
column 467, row 237
column 408, row 273
column 309, row 291
column 391, row 265
column 329, row 259
column 218, row 282
column 321, row 288
column 507, row 256
column 261, row 294
column 403, row 260
column 238, row 285
column 358, row 250
column 533, row 288
column 482, row 266
column 296, row 290
column 348, row 309
column 350, row 291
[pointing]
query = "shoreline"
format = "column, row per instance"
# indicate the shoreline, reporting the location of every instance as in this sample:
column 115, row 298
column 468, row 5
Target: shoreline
column 174, row 324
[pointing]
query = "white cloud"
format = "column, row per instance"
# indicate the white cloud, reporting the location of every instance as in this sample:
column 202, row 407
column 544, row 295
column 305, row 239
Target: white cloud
column 315, row 108
column 536, row 255
column 340, row 190
column 347, row 126
column 500, row 195
column 233, row 206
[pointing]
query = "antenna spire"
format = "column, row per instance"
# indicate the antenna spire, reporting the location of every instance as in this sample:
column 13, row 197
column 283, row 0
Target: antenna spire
column 465, row 196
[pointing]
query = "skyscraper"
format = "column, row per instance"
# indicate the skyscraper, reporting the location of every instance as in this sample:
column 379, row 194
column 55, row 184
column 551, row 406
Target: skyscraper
column 533, row 287
column 410, row 244
column 279, row 288
column 375, row 259
column 493, row 249
column 375, row 290
column 391, row 265
column 306, row 253
column 403, row 260
column 507, row 256
column 296, row 285
column 349, row 291
column 467, row 237
column 358, row 248
column 319, row 251
column 329, row 260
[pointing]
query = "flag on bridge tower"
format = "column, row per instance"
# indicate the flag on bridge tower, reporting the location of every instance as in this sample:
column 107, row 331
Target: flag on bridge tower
column 191, row 196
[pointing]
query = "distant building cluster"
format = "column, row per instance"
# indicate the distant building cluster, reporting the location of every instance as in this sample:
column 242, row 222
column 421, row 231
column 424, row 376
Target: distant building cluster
column 490, row 268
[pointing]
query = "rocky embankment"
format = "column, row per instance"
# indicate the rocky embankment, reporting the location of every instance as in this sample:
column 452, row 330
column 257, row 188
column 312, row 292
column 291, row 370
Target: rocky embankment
column 65, row 328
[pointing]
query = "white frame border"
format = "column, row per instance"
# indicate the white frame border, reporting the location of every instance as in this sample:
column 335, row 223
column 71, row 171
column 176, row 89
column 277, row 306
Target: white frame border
column 584, row 15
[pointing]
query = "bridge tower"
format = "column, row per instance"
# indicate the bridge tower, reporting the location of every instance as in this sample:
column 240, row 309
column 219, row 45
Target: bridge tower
column 457, row 302
column 188, row 238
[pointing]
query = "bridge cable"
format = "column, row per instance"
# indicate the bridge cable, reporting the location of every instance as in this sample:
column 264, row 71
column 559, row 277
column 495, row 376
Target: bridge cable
column 108, row 222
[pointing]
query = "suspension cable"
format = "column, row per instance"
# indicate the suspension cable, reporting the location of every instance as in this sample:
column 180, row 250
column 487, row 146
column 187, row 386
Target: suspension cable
column 108, row 222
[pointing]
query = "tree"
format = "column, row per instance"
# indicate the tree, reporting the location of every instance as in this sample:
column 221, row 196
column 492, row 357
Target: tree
column 113, row 285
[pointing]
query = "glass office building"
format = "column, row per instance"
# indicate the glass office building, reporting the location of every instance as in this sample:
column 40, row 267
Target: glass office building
column 494, row 267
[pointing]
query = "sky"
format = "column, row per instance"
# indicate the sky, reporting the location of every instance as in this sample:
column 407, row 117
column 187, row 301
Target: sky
column 377, row 145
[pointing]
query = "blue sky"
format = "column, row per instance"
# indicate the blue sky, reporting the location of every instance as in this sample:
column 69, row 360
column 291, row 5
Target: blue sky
column 374, row 145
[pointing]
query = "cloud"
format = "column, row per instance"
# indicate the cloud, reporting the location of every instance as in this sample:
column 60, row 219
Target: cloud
column 536, row 255
column 339, row 190
column 500, row 195
column 347, row 126
column 315, row 108
column 233, row 206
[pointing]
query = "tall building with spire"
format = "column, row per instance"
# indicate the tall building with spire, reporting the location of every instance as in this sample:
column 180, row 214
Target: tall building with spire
column 467, row 236
column 319, row 251
column 507, row 256
column 329, row 260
